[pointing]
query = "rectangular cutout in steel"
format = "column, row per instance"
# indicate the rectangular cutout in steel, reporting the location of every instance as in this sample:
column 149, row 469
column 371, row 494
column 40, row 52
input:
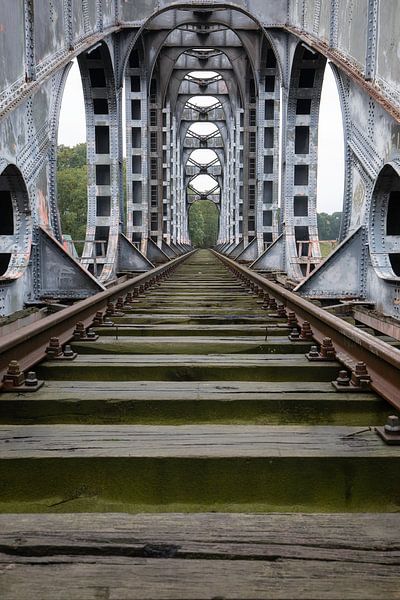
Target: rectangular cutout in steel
column 301, row 175
column 97, row 78
column 134, row 60
column 136, row 164
column 103, row 175
column 268, row 164
column 103, row 206
column 267, row 237
column 267, row 218
column 137, row 191
column 102, row 139
column 306, row 78
column 271, row 59
column 136, row 111
column 268, row 137
column 135, row 83
column 302, row 140
column 101, row 236
column 136, row 137
column 269, row 110
column 300, row 206
column 270, row 83
column 100, row 106
column 267, row 192
column 137, row 217
column 303, row 106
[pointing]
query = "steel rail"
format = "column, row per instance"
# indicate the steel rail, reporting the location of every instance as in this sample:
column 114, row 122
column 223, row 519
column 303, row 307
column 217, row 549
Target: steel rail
column 352, row 345
column 28, row 344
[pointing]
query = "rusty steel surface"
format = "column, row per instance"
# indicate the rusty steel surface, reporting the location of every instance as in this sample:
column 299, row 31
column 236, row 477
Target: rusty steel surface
column 28, row 345
column 352, row 345
column 371, row 88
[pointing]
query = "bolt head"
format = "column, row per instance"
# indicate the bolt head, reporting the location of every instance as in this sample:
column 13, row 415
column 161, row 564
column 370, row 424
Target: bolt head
column 392, row 424
column 31, row 379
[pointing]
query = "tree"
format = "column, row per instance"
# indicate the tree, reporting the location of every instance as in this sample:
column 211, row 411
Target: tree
column 203, row 224
column 72, row 190
column 196, row 225
column 68, row 158
column 329, row 225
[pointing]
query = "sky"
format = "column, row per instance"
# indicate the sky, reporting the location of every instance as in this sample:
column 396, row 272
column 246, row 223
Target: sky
column 72, row 131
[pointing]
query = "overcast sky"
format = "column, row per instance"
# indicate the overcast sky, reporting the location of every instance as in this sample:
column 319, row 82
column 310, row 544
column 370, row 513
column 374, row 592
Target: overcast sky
column 72, row 131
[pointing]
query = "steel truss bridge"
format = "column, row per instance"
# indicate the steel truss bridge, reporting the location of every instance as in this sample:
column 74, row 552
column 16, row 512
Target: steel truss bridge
column 265, row 63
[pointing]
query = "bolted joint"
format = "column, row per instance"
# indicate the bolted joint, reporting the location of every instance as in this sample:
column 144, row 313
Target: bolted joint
column 111, row 312
column 15, row 381
column 392, row 424
column 343, row 379
column 281, row 312
column 390, row 433
column 327, row 352
column 101, row 320
column 14, row 376
column 54, row 349
column 266, row 300
column 360, row 376
column 306, row 333
column 359, row 380
column 292, row 321
column 120, row 303
column 294, row 335
column 273, row 304
column 81, row 335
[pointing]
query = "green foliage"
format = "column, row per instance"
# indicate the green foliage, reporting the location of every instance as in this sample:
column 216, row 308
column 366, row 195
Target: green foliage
column 203, row 224
column 72, row 190
column 329, row 225
column 68, row 158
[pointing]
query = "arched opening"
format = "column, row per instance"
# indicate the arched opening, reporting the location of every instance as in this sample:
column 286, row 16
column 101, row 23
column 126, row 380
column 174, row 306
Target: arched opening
column 71, row 163
column 330, row 180
column 204, row 184
column 203, row 101
column 15, row 224
column 203, row 78
column 203, row 224
column 384, row 227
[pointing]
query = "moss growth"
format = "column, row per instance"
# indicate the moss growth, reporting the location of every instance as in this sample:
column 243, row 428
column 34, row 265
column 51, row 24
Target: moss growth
column 125, row 372
column 171, row 484
column 179, row 412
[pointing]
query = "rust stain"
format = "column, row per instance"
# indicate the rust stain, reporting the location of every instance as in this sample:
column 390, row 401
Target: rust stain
column 43, row 211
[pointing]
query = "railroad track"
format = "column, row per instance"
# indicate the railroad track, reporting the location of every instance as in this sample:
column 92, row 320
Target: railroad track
column 192, row 450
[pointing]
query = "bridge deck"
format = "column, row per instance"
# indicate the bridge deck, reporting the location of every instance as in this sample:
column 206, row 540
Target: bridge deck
column 119, row 556
column 183, row 455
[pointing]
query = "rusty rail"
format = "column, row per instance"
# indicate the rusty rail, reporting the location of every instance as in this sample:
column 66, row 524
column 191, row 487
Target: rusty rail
column 352, row 345
column 29, row 343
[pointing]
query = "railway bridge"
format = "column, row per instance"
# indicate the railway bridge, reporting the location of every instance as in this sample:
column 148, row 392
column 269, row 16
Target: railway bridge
column 257, row 68
column 216, row 423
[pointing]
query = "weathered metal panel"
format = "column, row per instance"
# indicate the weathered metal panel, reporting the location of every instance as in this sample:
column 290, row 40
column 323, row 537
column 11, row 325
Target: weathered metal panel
column 78, row 19
column 49, row 30
column 352, row 39
column 108, row 8
column 388, row 54
column 12, row 62
column 324, row 20
column 138, row 10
